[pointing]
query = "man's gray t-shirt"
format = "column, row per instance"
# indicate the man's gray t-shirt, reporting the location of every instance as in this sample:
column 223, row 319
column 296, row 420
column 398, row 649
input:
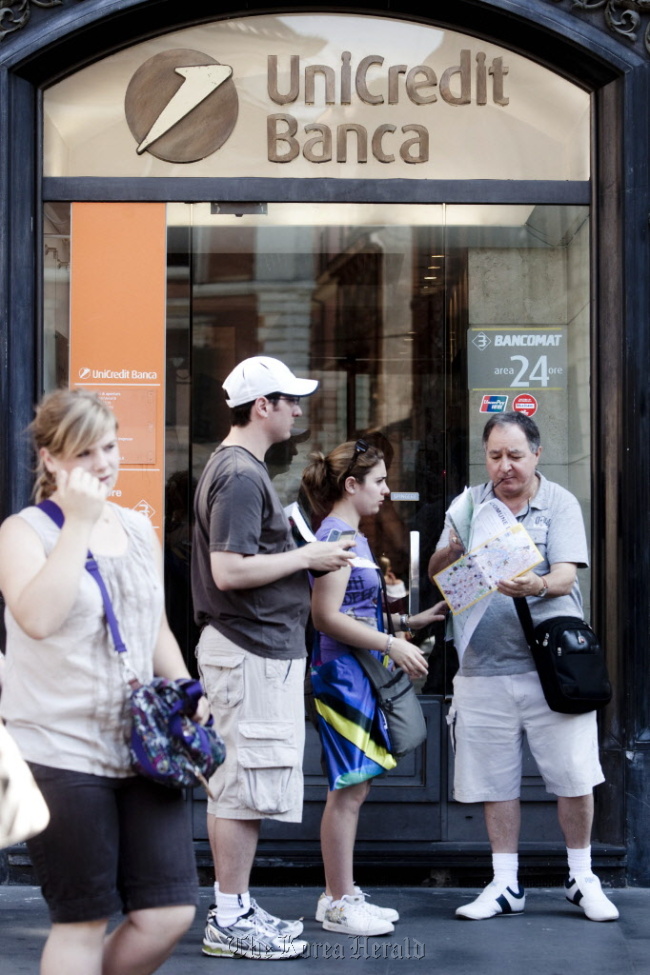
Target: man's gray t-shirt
column 238, row 510
column 554, row 521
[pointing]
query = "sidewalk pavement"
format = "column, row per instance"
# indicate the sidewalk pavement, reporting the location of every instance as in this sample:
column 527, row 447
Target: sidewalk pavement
column 552, row 938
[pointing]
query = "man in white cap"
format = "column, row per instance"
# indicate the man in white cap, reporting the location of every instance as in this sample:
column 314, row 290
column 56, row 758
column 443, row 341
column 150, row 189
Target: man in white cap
column 251, row 597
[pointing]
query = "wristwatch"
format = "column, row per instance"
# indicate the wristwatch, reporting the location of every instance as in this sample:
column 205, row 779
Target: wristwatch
column 544, row 590
column 404, row 623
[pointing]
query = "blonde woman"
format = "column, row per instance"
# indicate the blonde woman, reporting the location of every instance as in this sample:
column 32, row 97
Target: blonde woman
column 116, row 841
column 348, row 484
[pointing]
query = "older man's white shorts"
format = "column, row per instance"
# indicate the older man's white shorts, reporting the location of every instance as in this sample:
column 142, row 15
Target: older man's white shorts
column 488, row 718
column 258, row 708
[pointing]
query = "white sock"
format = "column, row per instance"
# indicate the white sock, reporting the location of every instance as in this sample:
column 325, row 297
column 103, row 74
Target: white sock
column 579, row 862
column 216, row 890
column 506, row 867
column 232, row 906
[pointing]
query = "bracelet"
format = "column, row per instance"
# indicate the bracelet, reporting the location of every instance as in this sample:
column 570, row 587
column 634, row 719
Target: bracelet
column 544, row 590
column 404, row 623
column 389, row 643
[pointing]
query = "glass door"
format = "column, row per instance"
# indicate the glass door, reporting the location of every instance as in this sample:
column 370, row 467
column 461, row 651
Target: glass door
column 355, row 297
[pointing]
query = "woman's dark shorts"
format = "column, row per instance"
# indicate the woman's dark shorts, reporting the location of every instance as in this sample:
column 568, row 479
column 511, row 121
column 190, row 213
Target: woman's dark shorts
column 111, row 845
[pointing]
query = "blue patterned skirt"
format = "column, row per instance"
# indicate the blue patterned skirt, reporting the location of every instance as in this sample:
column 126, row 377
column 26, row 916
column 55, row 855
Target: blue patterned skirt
column 352, row 727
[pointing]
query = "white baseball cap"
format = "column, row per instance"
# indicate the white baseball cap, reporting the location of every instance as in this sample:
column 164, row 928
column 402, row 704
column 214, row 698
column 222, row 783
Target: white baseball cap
column 261, row 375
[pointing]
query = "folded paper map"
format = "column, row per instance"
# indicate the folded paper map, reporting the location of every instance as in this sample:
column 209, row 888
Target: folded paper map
column 476, row 574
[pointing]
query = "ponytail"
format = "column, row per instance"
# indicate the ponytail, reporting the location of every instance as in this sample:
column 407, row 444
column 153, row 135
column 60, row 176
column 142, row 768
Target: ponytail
column 323, row 480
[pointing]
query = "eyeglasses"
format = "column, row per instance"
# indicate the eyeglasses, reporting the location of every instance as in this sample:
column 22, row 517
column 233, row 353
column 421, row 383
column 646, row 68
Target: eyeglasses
column 360, row 447
column 291, row 400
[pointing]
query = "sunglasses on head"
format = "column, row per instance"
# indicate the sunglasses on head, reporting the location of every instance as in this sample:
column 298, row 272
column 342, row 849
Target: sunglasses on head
column 360, row 447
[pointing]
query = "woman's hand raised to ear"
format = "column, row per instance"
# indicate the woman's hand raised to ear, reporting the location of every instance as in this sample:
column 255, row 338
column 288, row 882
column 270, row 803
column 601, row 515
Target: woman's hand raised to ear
column 80, row 495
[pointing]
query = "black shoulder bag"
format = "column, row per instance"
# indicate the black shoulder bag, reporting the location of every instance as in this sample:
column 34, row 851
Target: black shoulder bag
column 570, row 661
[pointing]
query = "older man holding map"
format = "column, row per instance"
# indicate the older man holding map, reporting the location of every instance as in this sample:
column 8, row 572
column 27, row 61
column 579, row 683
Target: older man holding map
column 497, row 693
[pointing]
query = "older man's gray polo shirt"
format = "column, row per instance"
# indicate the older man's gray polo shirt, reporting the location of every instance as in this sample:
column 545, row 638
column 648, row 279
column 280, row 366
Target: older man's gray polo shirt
column 554, row 521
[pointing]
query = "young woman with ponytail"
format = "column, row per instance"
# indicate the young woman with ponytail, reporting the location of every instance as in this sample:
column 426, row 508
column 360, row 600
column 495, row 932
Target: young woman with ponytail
column 345, row 486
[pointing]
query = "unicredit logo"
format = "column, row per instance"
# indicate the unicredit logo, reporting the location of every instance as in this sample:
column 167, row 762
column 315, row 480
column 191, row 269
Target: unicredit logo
column 181, row 106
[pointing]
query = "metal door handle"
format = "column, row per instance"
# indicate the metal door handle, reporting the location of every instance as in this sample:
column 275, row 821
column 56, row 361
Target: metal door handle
column 414, row 574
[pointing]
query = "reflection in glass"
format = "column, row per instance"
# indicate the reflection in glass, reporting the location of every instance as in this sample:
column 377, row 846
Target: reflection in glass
column 56, row 294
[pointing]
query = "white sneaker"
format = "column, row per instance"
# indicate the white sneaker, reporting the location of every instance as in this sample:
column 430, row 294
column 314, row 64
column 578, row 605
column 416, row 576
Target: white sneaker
column 286, row 929
column 350, row 915
column 587, row 893
column 494, row 901
column 248, row 937
column 385, row 913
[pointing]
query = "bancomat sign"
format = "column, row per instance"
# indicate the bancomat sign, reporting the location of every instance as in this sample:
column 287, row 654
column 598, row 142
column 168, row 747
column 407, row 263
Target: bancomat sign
column 517, row 359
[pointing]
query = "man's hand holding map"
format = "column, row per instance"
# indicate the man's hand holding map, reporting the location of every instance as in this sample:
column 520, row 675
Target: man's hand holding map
column 476, row 574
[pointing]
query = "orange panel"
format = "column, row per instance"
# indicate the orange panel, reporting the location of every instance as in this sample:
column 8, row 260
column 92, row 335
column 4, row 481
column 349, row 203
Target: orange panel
column 117, row 335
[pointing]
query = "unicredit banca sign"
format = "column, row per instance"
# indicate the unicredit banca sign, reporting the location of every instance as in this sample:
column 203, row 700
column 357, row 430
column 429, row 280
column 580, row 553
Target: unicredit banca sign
column 182, row 105
column 336, row 96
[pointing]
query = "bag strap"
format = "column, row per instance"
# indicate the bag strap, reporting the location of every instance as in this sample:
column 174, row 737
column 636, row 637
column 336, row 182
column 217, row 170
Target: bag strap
column 52, row 509
column 526, row 620
column 384, row 598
